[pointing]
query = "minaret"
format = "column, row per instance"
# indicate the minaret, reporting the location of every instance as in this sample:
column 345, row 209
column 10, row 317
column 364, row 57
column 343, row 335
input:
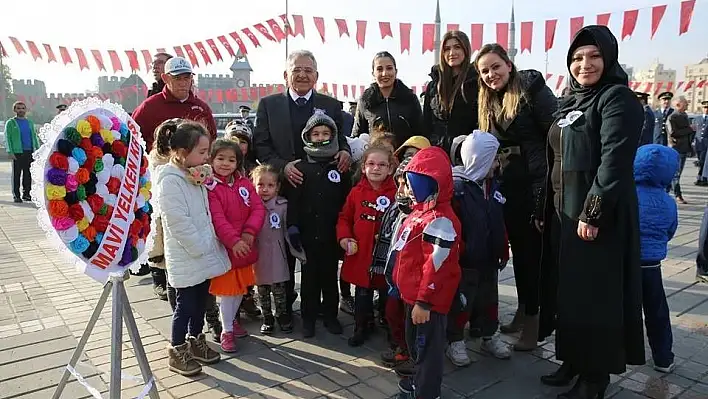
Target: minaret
column 438, row 36
column 512, row 34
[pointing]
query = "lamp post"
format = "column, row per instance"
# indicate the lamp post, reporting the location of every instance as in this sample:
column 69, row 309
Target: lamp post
column 287, row 29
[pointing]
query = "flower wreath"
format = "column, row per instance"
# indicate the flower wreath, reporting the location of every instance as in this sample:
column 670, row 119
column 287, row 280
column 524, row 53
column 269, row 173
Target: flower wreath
column 92, row 187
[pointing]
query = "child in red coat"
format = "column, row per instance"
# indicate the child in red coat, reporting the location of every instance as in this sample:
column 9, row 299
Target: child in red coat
column 357, row 228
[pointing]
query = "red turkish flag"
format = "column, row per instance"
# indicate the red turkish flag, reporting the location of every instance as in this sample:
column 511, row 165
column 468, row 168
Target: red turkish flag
column 82, row 59
column 202, row 94
column 133, row 60
column 385, row 28
column 253, row 93
column 576, row 23
column 526, row 36
column 209, row 94
column 251, row 36
column 361, row 33
column 65, row 56
column 241, row 45
column 115, row 61
column 648, row 88
column 34, row 51
column 629, row 23
column 428, row 37
column 561, row 78
column 50, row 53
column 3, row 53
column 451, row 27
column 277, row 31
column 548, row 76
column 191, row 55
column 334, row 90
column 202, row 50
column 342, row 26
column 405, row 33
column 281, row 88
column 225, row 42
column 261, row 92
column 657, row 14
column 219, row 96
column 670, row 86
column 414, row 89
column 550, row 33
column 147, row 58
column 98, row 58
column 264, row 31
column 603, row 19
column 178, row 51
column 686, row 15
column 161, row 50
column 18, row 45
column 659, row 85
column 287, row 27
column 689, row 84
column 362, row 88
column 635, row 85
column 701, row 83
column 299, row 28
column 324, row 88
column 345, row 89
column 477, row 36
column 352, row 89
column 320, row 25
column 503, row 34
column 678, row 86
column 214, row 49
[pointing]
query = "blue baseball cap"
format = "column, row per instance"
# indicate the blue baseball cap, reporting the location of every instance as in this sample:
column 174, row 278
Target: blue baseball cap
column 178, row 66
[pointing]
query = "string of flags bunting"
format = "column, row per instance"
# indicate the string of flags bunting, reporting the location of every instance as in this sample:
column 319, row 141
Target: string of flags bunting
column 275, row 30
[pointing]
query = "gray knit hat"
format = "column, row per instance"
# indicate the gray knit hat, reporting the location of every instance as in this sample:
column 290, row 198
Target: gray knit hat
column 324, row 150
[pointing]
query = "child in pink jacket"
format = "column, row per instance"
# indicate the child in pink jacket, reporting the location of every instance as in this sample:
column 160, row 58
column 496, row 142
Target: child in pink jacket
column 237, row 213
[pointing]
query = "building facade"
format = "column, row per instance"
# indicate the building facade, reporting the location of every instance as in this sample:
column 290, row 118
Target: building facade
column 654, row 80
column 695, row 95
column 107, row 84
column 240, row 78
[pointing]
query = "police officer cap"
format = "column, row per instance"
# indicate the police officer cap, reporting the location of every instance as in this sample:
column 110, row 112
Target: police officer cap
column 704, row 103
column 244, row 108
column 666, row 95
column 640, row 95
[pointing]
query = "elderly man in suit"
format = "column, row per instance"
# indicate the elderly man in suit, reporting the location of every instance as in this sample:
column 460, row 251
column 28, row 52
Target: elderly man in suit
column 662, row 114
column 280, row 119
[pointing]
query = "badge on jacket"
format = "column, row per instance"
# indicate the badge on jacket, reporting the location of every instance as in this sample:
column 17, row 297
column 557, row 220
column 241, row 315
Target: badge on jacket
column 243, row 192
column 274, row 219
column 382, row 203
column 333, row 176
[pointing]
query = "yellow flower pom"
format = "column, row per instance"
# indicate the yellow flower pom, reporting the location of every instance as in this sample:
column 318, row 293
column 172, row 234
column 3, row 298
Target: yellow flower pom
column 145, row 193
column 148, row 185
column 84, row 129
column 82, row 224
column 55, row 192
column 107, row 136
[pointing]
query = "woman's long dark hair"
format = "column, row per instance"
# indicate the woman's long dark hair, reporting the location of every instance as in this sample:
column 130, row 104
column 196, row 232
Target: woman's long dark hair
column 449, row 85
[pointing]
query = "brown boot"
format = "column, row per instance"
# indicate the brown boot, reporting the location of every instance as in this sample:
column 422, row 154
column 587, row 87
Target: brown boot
column 528, row 340
column 201, row 351
column 517, row 322
column 180, row 360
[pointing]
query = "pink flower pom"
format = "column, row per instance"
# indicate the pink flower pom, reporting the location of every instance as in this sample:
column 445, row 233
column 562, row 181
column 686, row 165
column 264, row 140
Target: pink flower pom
column 116, row 123
column 63, row 223
column 71, row 183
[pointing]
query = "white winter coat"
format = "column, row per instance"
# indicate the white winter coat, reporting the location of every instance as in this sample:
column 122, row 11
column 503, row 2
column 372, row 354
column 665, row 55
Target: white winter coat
column 192, row 252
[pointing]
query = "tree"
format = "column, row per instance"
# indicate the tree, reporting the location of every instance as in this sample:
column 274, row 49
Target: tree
column 6, row 95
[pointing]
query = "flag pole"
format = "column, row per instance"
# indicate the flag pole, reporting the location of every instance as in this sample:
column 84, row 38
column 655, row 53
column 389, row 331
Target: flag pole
column 287, row 29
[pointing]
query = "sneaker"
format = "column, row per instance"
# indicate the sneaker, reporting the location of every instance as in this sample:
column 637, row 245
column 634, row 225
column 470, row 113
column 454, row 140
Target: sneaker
column 393, row 357
column 160, row 291
column 249, row 308
column 27, row 198
column 405, row 369
column 228, row 342
column 215, row 331
column 201, row 351
column 239, row 331
column 333, row 326
column 268, row 326
column 701, row 278
column 180, row 360
column 285, row 322
column 17, row 200
column 457, row 353
column 668, row 369
column 346, row 305
column 495, row 347
column 405, row 386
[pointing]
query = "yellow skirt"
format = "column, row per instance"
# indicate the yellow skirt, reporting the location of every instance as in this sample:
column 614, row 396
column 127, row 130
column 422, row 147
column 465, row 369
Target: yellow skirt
column 234, row 282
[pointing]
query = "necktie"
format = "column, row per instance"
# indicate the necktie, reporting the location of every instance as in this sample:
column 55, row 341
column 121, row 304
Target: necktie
column 301, row 101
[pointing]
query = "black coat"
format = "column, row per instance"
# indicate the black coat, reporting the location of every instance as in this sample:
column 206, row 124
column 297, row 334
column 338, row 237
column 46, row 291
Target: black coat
column 400, row 112
column 441, row 129
column 599, row 326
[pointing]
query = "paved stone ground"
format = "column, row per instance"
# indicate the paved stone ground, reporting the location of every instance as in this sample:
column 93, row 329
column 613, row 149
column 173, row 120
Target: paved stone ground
column 44, row 306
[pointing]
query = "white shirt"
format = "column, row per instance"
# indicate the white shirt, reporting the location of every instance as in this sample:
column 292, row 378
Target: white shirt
column 295, row 96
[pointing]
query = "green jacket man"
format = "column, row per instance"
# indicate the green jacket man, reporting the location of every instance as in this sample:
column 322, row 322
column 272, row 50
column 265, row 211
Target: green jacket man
column 20, row 142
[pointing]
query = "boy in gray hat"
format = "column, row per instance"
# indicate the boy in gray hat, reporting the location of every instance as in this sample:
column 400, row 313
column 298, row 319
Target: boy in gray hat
column 313, row 210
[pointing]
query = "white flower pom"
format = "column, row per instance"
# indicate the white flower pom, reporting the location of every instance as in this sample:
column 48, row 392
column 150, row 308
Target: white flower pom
column 111, row 200
column 105, row 122
column 139, row 202
column 102, row 190
column 116, row 134
column 131, row 217
column 69, row 234
column 88, row 213
column 73, row 166
column 107, row 161
column 140, row 245
column 118, row 171
column 103, row 176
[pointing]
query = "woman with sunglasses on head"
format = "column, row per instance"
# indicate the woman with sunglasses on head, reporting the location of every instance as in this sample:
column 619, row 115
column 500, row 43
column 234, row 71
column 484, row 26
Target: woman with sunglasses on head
column 593, row 143
column 388, row 102
column 517, row 107
column 450, row 101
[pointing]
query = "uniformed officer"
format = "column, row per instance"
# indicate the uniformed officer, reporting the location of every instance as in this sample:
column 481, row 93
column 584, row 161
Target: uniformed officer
column 61, row 108
column 245, row 112
column 702, row 145
column 647, row 136
column 661, row 115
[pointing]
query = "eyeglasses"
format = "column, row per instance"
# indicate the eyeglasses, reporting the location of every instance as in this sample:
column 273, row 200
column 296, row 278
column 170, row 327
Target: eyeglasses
column 298, row 70
column 374, row 165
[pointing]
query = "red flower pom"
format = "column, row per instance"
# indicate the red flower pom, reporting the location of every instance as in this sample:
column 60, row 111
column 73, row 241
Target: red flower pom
column 59, row 161
column 86, row 145
column 76, row 212
column 120, row 149
column 113, row 185
column 90, row 163
column 95, row 202
column 133, row 238
column 95, row 152
column 100, row 223
column 82, row 175
column 143, row 165
column 58, row 208
column 95, row 126
column 109, row 211
column 135, row 227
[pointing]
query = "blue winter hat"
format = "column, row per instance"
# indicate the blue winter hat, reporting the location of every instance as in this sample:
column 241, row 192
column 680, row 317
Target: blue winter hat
column 422, row 186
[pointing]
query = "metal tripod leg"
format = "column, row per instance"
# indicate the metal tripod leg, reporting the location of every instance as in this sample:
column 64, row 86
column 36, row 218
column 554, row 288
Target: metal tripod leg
column 84, row 338
column 137, row 343
column 116, row 338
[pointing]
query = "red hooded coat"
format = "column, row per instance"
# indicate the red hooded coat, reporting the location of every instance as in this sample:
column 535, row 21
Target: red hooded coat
column 427, row 267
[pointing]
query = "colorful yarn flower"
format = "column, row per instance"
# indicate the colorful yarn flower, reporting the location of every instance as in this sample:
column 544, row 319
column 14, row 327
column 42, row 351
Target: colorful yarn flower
column 95, row 201
column 102, row 190
column 72, row 135
column 76, row 212
column 71, row 183
column 79, row 155
column 113, row 185
column 81, row 193
column 58, row 208
column 88, row 212
column 73, row 166
column 99, row 238
column 106, row 122
column 65, row 147
column 69, row 234
column 120, row 149
column 116, row 123
column 63, row 223
column 98, row 165
column 118, row 171
column 55, row 192
column 97, row 140
column 90, row 233
column 145, row 193
column 84, row 128
column 111, row 200
column 72, row 197
column 82, row 224
column 79, row 245
column 82, row 176
column 90, row 163
column 100, row 223
column 59, row 161
column 56, row 176
column 94, row 122
column 116, row 135
column 86, row 145
column 107, row 136
column 90, row 251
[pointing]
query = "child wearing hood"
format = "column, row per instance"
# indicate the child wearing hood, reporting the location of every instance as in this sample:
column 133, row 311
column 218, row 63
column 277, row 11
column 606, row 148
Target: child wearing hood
column 654, row 168
column 479, row 205
column 410, row 147
column 313, row 210
column 427, row 273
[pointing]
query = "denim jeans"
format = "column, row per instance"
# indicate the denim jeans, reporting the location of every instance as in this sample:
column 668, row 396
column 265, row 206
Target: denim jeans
column 676, row 182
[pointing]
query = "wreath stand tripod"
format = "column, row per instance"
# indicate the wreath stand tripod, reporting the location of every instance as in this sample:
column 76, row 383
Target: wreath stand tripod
column 121, row 311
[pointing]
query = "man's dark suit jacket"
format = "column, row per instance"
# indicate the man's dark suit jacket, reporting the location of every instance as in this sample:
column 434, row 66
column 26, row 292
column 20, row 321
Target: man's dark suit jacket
column 273, row 138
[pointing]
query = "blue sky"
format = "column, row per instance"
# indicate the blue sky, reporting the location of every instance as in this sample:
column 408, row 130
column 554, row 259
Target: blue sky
column 142, row 24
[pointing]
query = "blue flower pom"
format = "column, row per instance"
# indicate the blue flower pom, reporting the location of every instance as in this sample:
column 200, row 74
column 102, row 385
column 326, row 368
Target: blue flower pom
column 99, row 238
column 143, row 181
column 123, row 129
column 146, row 207
column 79, row 245
column 79, row 155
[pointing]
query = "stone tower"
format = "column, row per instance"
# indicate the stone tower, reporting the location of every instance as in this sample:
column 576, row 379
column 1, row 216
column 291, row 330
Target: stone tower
column 241, row 70
column 438, row 36
column 512, row 34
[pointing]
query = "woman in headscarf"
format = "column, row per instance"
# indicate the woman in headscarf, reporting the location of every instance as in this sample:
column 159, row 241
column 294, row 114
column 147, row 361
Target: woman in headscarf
column 592, row 146
column 388, row 103
column 450, row 101
column 517, row 107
